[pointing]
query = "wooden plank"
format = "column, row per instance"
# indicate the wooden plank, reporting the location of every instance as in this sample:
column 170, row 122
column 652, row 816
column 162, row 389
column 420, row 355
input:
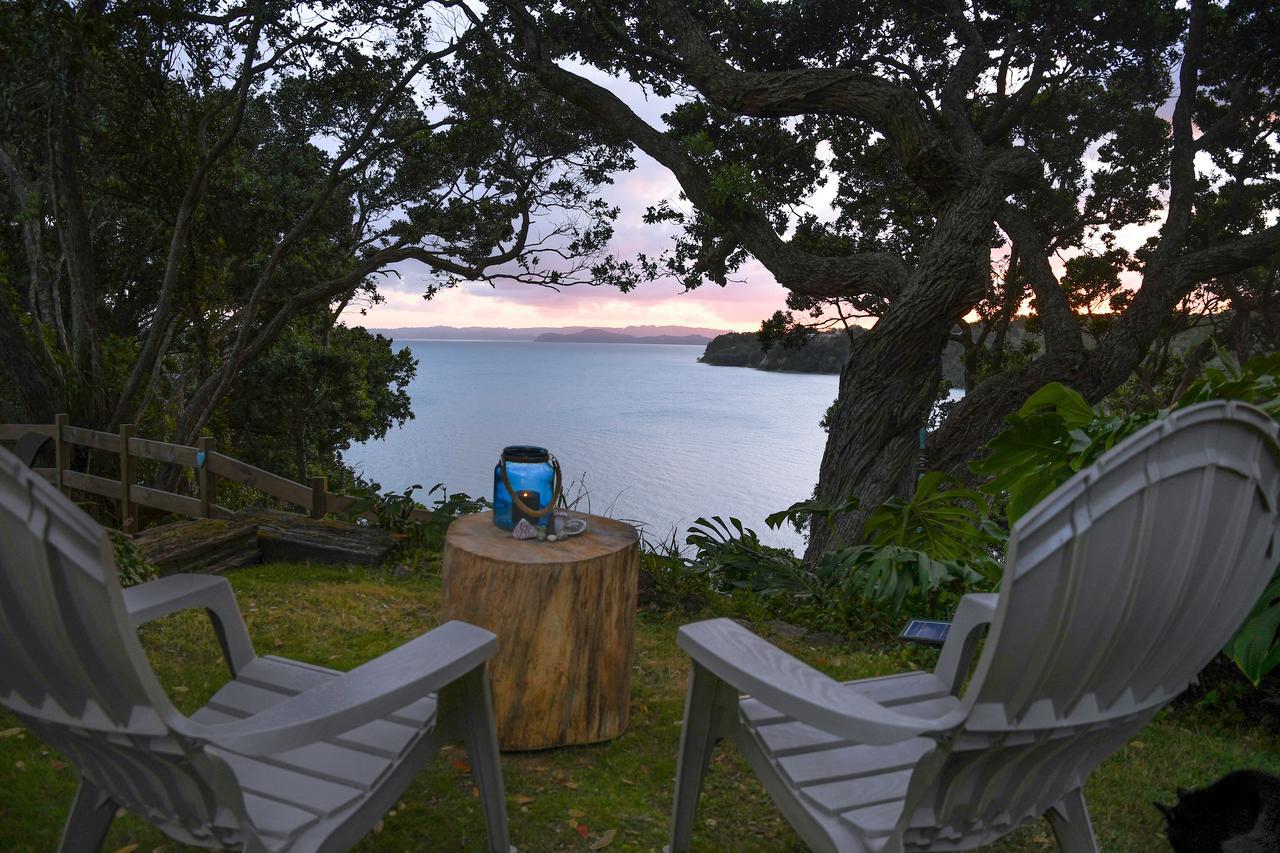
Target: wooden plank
column 291, row 537
column 92, row 438
column 163, row 451
column 200, row 545
column 13, row 432
column 61, row 449
column 168, row 501
column 90, row 483
column 337, row 504
column 263, row 481
column 128, row 512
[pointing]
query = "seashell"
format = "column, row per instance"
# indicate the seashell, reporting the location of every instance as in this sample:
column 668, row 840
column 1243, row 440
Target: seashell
column 551, row 537
column 524, row 530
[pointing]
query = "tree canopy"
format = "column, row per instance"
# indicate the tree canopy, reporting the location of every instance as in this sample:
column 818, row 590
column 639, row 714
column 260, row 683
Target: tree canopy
column 974, row 147
column 183, row 184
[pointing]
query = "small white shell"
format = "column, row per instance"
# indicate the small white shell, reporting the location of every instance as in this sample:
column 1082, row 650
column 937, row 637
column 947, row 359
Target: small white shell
column 524, row 530
column 551, row 537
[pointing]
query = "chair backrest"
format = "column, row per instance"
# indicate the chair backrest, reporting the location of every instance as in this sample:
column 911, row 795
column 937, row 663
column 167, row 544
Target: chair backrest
column 72, row 669
column 1119, row 588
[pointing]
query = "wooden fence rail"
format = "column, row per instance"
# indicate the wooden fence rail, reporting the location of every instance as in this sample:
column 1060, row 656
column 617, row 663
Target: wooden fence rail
column 208, row 464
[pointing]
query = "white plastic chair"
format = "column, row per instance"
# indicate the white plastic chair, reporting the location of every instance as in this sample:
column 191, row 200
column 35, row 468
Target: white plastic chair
column 285, row 756
column 1119, row 588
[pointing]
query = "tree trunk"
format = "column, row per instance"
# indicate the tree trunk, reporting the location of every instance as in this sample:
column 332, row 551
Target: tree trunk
column 980, row 415
column 889, row 384
column 38, row 392
column 887, row 390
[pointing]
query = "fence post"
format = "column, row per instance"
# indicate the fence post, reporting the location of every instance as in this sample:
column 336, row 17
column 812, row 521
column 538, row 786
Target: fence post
column 319, row 487
column 207, row 480
column 128, row 510
column 61, row 451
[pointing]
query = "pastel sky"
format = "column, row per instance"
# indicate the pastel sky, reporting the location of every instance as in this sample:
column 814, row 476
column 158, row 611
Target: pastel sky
column 739, row 306
column 753, row 296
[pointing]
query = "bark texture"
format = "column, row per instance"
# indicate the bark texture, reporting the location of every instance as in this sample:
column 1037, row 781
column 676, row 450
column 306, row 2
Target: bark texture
column 564, row 613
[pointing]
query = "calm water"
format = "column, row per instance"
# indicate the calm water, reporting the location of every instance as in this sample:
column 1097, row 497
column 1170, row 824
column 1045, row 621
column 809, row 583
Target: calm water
column 657, row 437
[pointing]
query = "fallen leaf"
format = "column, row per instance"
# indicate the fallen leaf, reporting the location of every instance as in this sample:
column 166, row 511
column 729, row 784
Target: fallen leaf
column 180, row 688
column 582, row 830
column 377, row 827
column 572, row 786
column 523, row 800
column 475, row 792
column 16, row 731
column 279, row 644
column 605, row 839
column 128, row 848
column 57, row 765
column 19, row 765
column 460, row 764
column 577, row 813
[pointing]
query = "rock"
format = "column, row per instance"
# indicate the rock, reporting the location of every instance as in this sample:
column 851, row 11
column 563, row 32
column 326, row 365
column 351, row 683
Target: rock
column 287, row 537
column 202, row 545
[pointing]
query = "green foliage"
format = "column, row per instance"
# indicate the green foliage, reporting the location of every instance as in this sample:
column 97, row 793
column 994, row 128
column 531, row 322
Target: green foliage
column 317, row 390
column 1057, row 433
column 1256, row 646
column 133, row 568
column 1053, row 435
column 669, row 583
column 394, row 511
column 942, row 518
column 846, row 583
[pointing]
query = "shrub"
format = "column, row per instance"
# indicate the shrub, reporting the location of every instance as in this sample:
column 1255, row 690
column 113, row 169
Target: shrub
column 1057, row 433
column 133, row 568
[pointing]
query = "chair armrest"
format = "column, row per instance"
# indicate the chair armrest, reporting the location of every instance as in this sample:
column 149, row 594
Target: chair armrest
column 752, row 665
column 368, row 692
column 173, row 593
column 976, row 610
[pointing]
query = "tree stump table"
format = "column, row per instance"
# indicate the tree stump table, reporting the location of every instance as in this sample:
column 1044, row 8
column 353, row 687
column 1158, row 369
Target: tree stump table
column 564, row 613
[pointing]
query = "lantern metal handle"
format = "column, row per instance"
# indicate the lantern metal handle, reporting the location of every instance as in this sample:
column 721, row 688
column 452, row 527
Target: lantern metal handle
column 555, row 490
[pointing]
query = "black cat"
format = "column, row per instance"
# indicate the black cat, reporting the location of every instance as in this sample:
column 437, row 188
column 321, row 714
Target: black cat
column 1240, row 813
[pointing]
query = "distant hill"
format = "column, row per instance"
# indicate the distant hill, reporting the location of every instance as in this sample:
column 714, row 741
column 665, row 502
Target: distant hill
column 824, row 353
column 604, row 336
column 492, row 333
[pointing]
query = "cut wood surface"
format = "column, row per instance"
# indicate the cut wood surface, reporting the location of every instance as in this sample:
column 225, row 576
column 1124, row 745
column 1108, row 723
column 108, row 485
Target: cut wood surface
column 564, row 613
column 285, row 536
column 205, row 545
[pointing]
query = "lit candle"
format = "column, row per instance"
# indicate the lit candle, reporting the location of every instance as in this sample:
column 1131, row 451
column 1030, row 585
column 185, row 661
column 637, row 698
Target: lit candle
column 532, row 501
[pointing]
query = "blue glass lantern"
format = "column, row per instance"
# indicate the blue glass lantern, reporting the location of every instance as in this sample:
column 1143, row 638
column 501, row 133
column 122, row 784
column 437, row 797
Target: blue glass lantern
column 526, row 484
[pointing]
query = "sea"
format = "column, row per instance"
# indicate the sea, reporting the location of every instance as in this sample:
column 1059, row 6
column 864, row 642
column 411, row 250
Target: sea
column 643, row 432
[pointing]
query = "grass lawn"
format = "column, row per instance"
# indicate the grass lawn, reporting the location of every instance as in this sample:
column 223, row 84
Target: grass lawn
column 572, row 798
